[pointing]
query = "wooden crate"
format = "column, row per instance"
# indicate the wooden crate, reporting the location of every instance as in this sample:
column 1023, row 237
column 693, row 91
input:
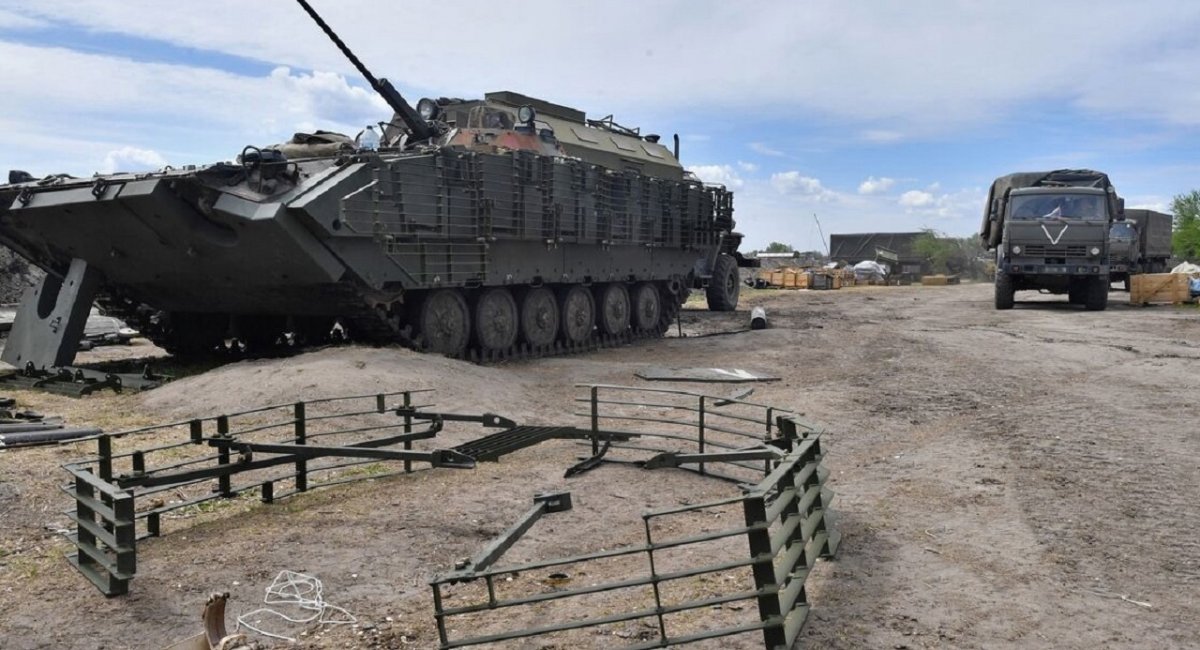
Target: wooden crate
column 1165, row 288
column 939, row 280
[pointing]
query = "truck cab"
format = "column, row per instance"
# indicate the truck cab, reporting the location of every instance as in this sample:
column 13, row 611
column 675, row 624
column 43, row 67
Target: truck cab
column 1051, row 234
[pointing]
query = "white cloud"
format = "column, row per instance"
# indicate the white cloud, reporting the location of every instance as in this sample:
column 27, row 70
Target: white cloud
column 793, row 182
column 747, row 167
column 132, row 159
column 885, row 66
column 916, row 199
column 187, row 114
column 1160, row 205
column 876, row 185
column 765, row 149
column 722, row 174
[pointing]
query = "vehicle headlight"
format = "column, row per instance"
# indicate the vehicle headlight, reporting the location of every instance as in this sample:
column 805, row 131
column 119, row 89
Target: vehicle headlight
column 526, row 114
column 1095, row 251
column 427, row 109
column 1016, row 250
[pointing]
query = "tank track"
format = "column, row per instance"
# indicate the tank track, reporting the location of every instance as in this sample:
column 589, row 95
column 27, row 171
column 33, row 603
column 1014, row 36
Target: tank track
column 367, row 325
column 366, row 320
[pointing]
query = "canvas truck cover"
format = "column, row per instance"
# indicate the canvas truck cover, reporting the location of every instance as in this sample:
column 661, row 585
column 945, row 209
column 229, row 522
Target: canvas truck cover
column 1154, row 231
column 992, row 227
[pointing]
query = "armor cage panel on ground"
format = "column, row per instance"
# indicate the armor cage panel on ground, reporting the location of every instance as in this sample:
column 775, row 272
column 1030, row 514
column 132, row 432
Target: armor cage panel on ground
column 692, row 578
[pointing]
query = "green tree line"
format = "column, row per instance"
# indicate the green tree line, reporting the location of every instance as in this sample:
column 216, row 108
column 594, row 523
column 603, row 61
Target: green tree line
column 963, row 256
column 1185, row 240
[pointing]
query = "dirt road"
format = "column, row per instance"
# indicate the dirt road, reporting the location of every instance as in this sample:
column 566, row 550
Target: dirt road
column 1021, row 479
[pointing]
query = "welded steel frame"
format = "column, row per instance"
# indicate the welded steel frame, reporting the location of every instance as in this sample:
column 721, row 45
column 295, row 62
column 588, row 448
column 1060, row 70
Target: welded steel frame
column 104, row 487
column 785, row 522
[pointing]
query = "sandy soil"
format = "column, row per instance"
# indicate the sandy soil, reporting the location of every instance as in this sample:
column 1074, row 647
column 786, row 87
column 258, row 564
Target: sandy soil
column 1023, row 479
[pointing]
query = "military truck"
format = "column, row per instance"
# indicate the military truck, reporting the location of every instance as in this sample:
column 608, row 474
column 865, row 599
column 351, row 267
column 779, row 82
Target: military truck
column 1050, row 233
column 486, row 227
column 1139, row 244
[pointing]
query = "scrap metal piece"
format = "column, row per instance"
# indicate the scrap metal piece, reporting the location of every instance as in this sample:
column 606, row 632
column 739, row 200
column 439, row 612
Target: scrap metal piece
column 215, row 635
column 590, row 463
column 542, row 504
column 758, row 318
column 77, row 382
column 50, row 321
column 673, row 459
column 735, row 397
column 733, row 375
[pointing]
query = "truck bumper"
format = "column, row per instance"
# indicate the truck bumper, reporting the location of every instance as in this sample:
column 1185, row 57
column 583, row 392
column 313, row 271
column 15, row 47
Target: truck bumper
column 1031, row 267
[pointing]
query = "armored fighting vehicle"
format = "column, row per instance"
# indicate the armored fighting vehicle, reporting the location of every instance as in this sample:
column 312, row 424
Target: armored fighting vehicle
column 474, row 227
column 1050, row 233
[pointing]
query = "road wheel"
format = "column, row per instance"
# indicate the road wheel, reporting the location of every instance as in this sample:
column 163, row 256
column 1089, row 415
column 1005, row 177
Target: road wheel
column 495, row 320
column 577, row 312
column 1097, row 295
column 614, row 309
column 444, row 322
column 723, row 287
column 539, row 317
column 1004, row 290
column 647, row 307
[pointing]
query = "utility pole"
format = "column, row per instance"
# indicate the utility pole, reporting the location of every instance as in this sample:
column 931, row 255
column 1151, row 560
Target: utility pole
column 822, row 234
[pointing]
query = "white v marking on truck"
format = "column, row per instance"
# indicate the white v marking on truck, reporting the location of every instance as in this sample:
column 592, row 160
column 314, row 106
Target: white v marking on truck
column 1054, row 240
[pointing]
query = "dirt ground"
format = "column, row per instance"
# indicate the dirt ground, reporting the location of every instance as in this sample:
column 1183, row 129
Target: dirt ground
column 1020, row 479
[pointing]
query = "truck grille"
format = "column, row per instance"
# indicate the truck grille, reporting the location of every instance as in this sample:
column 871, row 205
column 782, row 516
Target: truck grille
column 1070, row 252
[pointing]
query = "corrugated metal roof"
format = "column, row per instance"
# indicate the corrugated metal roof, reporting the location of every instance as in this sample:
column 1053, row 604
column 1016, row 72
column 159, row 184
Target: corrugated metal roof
column 854, row 248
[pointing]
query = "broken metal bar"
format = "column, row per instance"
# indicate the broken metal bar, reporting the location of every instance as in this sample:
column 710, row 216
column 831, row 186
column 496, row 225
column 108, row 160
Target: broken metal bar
column 673, row 459
column 543, row 504
column 315, row 451
column 590, row 463
column 289, row 454
column 487, row 419
column 736, row 396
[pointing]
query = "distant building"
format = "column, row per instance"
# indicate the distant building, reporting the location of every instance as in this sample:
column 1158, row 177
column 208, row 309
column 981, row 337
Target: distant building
column 799, row 259
column 895, row 249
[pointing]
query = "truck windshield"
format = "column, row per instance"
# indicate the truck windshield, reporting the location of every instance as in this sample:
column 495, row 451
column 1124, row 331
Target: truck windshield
column 1057, row 206
column 1122, row 232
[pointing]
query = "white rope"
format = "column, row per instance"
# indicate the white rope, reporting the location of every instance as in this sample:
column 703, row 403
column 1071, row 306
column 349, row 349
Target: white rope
column 302, row 591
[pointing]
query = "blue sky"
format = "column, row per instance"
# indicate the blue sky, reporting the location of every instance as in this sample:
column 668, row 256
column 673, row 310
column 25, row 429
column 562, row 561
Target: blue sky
column 870, row 115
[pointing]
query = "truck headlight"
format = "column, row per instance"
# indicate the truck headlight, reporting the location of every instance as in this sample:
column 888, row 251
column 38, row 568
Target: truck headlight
column 1016, row 250
column 1095, row 251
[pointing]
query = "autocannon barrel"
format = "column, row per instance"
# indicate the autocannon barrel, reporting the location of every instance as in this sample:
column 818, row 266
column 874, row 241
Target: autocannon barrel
column 418, row 127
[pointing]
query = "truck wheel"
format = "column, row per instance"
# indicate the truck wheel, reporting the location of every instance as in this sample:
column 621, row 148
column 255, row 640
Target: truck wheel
column 1004, row 290
column 1097, row 295
column 1077, row 292
column 723, row 287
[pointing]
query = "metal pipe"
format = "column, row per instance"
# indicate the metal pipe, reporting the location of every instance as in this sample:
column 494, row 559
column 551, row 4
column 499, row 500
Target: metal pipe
column 31, row 438
column 758, row 318
column 26, row 427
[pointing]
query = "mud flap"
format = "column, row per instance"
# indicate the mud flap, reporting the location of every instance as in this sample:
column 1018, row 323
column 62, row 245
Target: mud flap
column 50, row 321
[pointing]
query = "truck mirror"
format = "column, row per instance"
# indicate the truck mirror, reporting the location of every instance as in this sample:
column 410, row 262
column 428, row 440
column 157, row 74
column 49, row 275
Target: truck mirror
column 1120, row 209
